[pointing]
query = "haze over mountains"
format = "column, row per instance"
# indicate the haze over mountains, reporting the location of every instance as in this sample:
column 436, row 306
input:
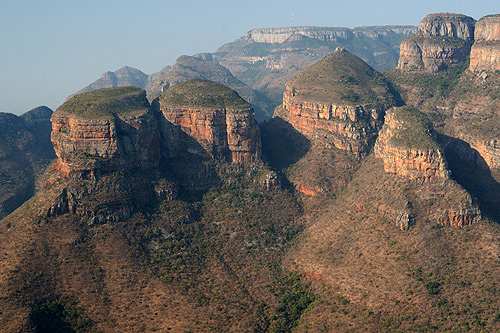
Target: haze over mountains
column 264, row 59
column 369, row 202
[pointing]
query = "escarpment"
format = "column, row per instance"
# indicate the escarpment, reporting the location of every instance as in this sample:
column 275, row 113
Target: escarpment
column 337, row 102
column 102, row 136
column 442, row 40
column 407, row 146
column 485, row 53
column 105, row 130
column 207, row 119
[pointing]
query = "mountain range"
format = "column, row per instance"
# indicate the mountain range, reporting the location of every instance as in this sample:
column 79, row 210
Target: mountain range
column 369, row 202
column 258, row 64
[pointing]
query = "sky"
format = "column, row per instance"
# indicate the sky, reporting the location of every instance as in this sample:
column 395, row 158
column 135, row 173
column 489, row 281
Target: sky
column 50, row 49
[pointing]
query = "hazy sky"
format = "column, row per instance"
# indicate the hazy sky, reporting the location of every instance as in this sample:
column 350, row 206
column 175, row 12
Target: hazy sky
column 50, row 49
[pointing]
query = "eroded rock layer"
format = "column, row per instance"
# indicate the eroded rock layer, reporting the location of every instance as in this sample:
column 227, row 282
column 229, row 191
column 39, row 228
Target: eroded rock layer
column 338, row 102
column 442, row 40
column 485, row 53
column 406, row 145
column 207, row 118
column 105, row 130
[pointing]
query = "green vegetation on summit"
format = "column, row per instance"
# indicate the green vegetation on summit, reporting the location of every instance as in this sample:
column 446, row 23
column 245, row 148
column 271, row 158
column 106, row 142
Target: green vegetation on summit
column 340, row 77
column 415, row 131
column 106, row 102
column 204, row 93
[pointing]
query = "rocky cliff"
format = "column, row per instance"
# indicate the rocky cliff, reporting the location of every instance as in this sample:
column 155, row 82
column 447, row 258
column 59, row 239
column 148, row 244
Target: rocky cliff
column 338, row 102
column 330, row 34
column 485, row 53
column 206, row 118
column 25, row 152
column 442, row 40
column 407, row 146
column 105, row 130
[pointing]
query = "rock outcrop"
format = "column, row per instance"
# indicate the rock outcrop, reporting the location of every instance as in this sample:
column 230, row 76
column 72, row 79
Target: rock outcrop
column 105, row 130
column 407, row 146
column 485, row 53
column 442, row 40
column 338, row 102
column 25, row 152
column 206, row 118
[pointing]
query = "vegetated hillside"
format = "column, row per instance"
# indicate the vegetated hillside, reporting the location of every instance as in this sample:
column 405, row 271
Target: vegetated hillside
column 341, row 77
column 25, row 151
column 186, row 68
column 322, row 238
column 267, row 58
column 212, row 263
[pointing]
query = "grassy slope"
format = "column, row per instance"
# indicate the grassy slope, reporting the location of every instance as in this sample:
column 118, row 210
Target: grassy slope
column 103, row 103
column 203, row 93
column 340, row 77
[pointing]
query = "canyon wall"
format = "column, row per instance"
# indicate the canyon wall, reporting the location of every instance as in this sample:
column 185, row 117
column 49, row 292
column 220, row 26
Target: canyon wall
column 337, row 102
column 485, row 53
column 407, row 147
column 123, row 137
column 223, row 128
column 442, row 40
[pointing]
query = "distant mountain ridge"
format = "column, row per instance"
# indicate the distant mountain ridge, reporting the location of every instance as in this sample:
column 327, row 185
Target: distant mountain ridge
column 125, row 76
column 266, row 59
column 258, row 64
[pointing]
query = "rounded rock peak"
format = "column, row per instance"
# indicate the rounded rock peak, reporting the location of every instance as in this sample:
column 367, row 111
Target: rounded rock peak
column 447, row 25
column 199, row 93
column 340, row 78
column 106, row 103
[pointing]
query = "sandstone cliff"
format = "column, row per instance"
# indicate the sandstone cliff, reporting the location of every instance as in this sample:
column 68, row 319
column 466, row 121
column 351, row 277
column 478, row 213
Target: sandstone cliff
column 203, row 117
column 105, row 130
column 407, row 146
column 442, row 40
column 485, row 53
column 338, row 102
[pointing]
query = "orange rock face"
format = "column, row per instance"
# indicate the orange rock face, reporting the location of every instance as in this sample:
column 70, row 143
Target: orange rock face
column 442, row 40
column 421, row 165
column 331, row 125
column 308, row 190
column 89, row 145
column 229, row 135
column 485, row 53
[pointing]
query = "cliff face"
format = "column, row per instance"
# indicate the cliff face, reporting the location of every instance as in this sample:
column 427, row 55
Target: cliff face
column 123, row 137
column 442, row 40
column 222, row 125
column 406, row 145
column 25, row 151
column 485, row 53
column 337, row 102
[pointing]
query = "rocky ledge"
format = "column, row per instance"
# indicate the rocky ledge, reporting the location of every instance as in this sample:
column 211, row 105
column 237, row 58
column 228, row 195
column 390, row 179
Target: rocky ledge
column 485, row 53
column 105, row 130
column 442, row 40
column 205, row 118
column 407, row 146
column 337, row 102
